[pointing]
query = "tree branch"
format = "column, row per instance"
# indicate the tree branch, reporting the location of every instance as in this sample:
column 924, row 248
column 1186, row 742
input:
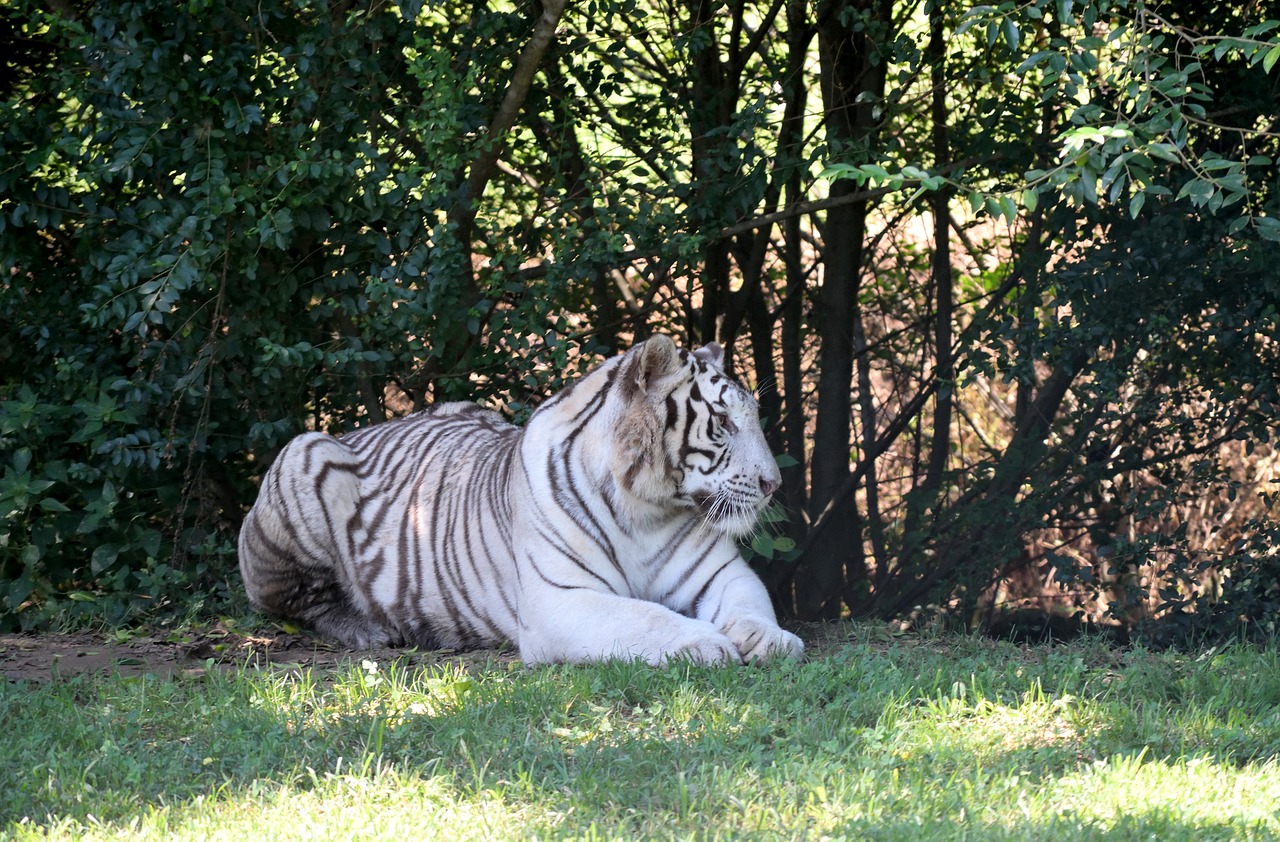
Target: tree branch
column 521, row 79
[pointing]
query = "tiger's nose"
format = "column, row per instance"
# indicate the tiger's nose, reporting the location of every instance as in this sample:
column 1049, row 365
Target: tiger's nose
column 768, row 485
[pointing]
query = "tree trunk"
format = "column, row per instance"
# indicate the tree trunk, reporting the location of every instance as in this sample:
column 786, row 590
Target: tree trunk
column 852, row 78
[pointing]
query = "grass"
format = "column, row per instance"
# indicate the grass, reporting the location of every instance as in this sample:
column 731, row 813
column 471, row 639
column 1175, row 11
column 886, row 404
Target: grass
column 875, row 737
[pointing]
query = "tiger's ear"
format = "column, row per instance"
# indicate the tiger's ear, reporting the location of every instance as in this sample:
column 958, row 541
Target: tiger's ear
column 711, row 354
column 655, row 360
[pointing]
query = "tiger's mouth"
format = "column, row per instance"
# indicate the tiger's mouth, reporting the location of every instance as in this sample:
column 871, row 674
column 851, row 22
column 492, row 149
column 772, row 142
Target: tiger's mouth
column 732, row 514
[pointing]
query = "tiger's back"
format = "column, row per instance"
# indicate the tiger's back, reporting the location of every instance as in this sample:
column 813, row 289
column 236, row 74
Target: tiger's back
column 341, row 527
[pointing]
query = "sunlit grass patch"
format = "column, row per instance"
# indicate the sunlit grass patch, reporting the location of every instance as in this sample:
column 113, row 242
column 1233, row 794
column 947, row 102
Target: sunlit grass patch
column 1222, row 800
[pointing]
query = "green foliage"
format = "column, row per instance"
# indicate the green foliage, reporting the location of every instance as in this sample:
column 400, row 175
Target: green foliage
column 218, row 223
column 1129, row 336
column 221, row 224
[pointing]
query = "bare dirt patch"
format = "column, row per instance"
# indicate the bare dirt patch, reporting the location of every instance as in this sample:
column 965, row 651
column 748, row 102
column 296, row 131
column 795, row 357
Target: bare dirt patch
column 43, row 657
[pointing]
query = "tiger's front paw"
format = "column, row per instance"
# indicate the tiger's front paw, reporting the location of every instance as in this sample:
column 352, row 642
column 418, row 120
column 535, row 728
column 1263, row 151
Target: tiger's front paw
column 759, row 639
column 709, row 648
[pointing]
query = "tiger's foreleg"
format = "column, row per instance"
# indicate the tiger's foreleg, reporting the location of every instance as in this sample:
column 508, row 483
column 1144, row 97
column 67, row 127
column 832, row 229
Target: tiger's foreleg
column 735, row 602
column 580, row 624
column 295, row 553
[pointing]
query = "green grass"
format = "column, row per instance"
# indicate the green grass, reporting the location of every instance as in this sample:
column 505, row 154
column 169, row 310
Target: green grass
column 874, row 738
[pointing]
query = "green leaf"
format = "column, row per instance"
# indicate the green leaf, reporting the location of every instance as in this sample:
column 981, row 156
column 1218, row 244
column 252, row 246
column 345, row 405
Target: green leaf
column 1008, row 209
column 763, row 545
column 835, row 172
column 1032, row 60
column 1268, row 227
column 1269, row 61
column 1198, row 191
column 1009, row 29
column 786, row 460
column 19, row 590
column 31, row 555
column 150, row 541
column 104, row 555
column 1135, row 204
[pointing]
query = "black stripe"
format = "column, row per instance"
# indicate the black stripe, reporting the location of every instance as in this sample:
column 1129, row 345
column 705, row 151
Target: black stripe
column 702, row 592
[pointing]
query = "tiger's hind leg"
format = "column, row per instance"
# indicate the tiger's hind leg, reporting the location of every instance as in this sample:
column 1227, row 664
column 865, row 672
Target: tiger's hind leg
column 295, row 543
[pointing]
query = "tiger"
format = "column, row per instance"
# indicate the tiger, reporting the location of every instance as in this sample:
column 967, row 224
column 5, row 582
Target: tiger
column 604, row 528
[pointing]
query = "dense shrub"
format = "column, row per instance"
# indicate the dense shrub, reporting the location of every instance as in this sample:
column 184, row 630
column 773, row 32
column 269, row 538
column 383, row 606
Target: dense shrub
column 1003, row 275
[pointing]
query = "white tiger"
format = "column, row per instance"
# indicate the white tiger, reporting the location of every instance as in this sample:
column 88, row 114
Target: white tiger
column 604, row 529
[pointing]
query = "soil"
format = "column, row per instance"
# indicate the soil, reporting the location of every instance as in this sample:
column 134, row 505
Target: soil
column 42, row 657
column 194, row 651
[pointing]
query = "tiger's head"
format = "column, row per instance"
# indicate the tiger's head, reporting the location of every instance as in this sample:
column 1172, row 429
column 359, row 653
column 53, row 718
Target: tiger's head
column 689, row 436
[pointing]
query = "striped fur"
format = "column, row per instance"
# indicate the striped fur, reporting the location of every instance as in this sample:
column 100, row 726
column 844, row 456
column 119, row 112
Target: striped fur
column 605, row 528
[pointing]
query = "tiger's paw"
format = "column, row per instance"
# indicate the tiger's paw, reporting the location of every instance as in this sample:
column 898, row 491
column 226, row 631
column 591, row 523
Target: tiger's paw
column 712, row 648
column 759, row 639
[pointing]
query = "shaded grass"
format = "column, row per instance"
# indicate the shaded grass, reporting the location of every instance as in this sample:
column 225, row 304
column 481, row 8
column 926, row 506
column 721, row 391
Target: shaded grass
column 874, row 737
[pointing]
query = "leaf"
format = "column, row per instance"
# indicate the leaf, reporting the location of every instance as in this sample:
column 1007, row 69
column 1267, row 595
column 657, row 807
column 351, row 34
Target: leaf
column 1269, row 61
column 1268, row 228
column 104, row 555
column 835, row 172
column 763, row 545
column 31, row 555
column 151, row 543
column 1136, row 203
column 19, row 590
column 1008, row 209
column 1198, row 191
column 1009, row 29
column 786, row 460
column 1165, row 152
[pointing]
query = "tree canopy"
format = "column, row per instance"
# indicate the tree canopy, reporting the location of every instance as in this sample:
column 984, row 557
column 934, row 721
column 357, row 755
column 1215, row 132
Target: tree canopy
column 1003, row 275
